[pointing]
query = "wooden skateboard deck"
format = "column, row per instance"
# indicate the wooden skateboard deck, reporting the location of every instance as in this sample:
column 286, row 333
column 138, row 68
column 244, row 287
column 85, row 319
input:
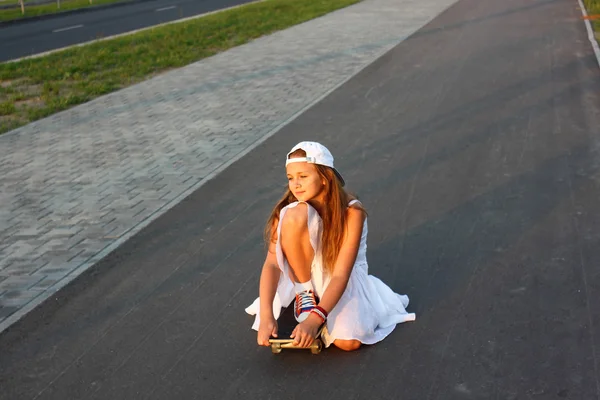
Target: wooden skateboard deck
column 286, row 324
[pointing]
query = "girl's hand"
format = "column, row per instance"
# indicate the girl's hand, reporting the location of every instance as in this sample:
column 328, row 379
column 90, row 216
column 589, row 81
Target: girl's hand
column 266, row 329
column 305, row 332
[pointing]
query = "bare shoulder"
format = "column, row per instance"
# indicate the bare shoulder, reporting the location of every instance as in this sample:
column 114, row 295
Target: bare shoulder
column 356, row 210
column 356, row 215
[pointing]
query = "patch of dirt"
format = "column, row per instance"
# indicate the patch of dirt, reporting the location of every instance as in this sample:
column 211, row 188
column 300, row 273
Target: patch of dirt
column 8, row 118
column 11, row 83
column 35, row 102
column 29, row 90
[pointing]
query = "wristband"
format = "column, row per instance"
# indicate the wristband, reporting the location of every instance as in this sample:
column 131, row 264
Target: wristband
column 319, row 313
column 325, row 313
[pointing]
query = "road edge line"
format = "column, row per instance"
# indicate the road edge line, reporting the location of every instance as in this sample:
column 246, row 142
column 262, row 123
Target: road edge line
column 46, row 53
column 590, row 31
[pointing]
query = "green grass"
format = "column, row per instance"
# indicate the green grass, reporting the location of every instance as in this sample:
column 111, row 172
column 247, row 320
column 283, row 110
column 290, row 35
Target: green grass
column 593, row 8
column 35, row 88
column 52, row 8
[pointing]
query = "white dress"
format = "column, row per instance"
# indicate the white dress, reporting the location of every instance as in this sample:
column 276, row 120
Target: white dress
column 368, row 310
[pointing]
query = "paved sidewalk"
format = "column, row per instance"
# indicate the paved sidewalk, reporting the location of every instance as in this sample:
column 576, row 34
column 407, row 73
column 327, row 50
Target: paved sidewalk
column 79, row 183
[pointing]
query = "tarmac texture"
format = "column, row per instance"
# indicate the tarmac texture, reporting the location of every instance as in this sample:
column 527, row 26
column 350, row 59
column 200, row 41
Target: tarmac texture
column 473, row 141
column 77, row 184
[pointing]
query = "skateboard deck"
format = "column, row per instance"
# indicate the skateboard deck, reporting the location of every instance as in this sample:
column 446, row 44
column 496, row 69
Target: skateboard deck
column 286, row 324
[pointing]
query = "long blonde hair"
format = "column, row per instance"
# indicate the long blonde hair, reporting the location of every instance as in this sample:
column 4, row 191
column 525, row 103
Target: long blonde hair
column 333, row 216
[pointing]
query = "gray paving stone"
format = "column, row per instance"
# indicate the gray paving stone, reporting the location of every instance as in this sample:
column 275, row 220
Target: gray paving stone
column 63, row 231
column 19, row 282
column 20, row 249
column 61, row 265
column 20, row 269
column 47, row 282
column 18, row 298
column 30, row 232
column 86, row 178
column 6, row 311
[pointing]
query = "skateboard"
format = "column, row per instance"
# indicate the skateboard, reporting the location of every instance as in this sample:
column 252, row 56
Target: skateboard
column 286, row 324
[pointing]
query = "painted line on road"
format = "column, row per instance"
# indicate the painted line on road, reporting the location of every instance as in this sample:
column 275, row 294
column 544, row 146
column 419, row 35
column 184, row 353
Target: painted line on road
column 590, row 32
column 132, row 32
column 165, row 8
column 68, row 28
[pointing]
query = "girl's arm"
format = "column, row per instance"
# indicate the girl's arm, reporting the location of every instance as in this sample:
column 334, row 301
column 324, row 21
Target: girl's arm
column 345, row 260
column 268, row 286
column 268, row 283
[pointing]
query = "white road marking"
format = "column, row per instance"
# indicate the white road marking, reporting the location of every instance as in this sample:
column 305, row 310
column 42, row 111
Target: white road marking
column 165, row 8
column 590, row 32
column 178, row 21
column 67, row 28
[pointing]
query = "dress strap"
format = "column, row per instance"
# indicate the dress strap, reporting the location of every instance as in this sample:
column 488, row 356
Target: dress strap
column 353, row 202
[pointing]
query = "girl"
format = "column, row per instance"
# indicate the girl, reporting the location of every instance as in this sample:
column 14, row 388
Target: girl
column 317, row 237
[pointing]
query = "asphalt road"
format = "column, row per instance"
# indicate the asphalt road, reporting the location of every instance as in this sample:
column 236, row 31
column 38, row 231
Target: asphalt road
column 474, row 146
column 33, row 37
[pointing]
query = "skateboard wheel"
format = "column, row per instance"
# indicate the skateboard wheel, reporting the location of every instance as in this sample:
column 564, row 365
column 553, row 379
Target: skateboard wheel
column 275, row 348
column 316, row 347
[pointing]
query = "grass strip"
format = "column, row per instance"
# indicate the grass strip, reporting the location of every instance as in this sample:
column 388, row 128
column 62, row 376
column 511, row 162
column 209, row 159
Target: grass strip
column 51, row 8
column 593, row 9
column 34, row 88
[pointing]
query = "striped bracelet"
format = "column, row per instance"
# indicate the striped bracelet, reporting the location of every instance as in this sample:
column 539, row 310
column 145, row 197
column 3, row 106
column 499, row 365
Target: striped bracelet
column 321, row 313
column 318, row 314
column 325, row 313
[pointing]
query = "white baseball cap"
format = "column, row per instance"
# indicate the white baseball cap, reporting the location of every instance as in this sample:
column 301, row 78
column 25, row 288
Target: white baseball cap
column 316, row 153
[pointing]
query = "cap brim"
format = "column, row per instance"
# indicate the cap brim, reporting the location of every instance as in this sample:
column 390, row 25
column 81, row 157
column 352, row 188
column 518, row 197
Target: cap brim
column 339, row 176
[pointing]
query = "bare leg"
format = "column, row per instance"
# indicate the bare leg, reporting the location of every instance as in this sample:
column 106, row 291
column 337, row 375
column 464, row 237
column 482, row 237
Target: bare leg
column 347, row 345
column 295, row 242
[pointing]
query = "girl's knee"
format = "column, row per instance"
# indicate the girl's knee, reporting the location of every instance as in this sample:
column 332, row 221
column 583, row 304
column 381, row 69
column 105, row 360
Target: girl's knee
column 295, row 242
column 347, row 345
column 296, row 218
